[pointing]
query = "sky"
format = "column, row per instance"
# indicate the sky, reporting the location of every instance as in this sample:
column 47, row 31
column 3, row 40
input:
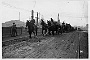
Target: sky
column 73, row 12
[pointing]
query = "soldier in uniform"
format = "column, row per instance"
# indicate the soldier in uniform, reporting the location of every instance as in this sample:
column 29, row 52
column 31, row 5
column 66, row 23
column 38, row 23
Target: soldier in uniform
column 14, row 30
column 32, row 21
column 52, row 22
column 35, row 27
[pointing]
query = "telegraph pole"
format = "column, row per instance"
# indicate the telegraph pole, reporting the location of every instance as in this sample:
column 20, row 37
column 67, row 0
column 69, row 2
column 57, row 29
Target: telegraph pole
column 19, row 15
column 37, row 18
column 32, row 15
column 58, row 18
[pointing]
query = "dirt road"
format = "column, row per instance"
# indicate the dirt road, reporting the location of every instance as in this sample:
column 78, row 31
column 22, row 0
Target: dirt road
column 66, row 45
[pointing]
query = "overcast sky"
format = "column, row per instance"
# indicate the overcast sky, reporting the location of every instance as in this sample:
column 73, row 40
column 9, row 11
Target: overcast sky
column 73, row 12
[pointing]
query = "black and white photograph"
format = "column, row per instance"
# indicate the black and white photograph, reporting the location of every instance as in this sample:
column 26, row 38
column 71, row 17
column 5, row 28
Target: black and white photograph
column 45, row 29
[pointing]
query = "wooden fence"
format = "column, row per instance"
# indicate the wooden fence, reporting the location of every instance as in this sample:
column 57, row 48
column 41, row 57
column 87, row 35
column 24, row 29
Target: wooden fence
column 6, row 31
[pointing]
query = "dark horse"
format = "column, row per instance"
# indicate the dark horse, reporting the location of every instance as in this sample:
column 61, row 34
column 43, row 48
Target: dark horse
column 31, row 27
column 54, row 26
column 44, row 27
column 51, row 28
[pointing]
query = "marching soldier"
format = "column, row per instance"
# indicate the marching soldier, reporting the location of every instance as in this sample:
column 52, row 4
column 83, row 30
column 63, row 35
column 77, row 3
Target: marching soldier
column 52, row 22
column 14, row 30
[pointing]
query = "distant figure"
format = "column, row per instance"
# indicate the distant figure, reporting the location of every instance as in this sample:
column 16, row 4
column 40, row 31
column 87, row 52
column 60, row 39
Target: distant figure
column 52, row 22
column 14, row 30
column 63, row 26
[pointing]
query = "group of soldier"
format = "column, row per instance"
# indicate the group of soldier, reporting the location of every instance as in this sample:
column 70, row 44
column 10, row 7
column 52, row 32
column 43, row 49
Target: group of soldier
column 65, row 27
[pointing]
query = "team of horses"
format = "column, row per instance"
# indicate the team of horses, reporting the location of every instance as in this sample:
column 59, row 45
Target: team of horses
column 50, row 28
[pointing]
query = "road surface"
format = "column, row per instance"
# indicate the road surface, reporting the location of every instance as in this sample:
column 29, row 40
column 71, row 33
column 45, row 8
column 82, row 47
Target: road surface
column 67, row 45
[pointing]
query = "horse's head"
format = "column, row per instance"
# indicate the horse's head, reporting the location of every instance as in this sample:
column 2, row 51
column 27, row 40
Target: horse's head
column 42, row 22
column 27, row 23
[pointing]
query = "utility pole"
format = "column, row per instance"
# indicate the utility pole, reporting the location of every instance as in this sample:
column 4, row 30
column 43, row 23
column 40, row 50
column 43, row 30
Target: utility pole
column 32, row 15
column 29, row 16
column 37, row 18
column 19, row 15
column 58, row 18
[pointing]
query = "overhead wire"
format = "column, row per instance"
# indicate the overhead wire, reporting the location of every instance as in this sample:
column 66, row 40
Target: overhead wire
column 12, row 6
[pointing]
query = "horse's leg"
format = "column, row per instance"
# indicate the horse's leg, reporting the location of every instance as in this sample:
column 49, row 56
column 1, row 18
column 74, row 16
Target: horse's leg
column 30, row 34
column 36, row 31
column 49, row 32
column 42, row 31
column 61, row 30
column 45, row 31
column 34, row 34
column 56, row 31
column 52, row 32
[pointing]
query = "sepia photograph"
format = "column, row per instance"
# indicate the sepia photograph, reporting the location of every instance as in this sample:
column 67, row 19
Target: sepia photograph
column 45, row 29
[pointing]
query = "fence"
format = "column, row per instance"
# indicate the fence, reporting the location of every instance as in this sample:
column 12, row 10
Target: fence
column 6, row 31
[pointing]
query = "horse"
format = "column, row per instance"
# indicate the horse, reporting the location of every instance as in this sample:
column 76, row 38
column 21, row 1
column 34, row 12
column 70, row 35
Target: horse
column 51, row 27
column 31, row 28
column 67, row 27
column 44, row 27
column 58, row 28
column 54, row 26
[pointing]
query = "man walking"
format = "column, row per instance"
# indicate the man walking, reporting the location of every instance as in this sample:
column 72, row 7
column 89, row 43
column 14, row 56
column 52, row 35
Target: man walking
column 14, row 30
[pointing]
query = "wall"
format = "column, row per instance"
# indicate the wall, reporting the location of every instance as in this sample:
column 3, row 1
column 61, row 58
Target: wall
column 6, row 31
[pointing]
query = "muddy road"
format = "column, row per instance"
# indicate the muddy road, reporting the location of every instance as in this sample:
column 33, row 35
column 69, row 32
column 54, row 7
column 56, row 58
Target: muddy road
column 67, row 45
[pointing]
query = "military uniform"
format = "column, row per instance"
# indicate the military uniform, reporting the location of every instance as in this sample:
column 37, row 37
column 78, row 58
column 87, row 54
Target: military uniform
column 52, row 22
column 14, row 30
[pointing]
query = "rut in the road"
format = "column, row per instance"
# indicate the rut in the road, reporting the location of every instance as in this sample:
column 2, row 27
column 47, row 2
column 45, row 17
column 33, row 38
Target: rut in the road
column 67, row 43
column 61, row 46
column 70, row 42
